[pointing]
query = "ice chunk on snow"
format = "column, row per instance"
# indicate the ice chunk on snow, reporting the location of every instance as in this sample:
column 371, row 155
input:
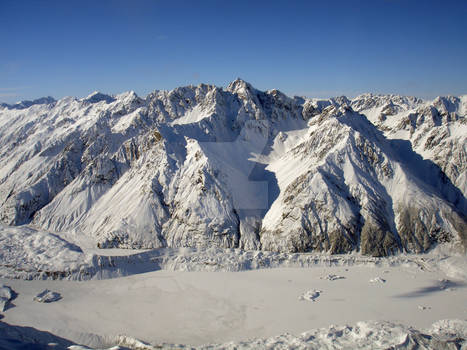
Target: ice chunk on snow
column 311, row 295
column 422, row 307
column 332, row 277
column 6, row 295
column 378, row 280
column 47, row 296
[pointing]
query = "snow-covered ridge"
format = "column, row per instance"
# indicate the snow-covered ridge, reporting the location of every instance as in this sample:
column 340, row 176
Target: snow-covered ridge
column 239, row 168
column 445, row 334
column 26, row 103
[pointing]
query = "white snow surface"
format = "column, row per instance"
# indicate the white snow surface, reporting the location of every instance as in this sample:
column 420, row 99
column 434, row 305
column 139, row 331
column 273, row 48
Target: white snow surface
column 362, row 335
column 25, row 251
column 197, row 308
column 194, row 115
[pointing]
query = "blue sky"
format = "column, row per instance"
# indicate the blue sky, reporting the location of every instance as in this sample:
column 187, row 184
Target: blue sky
column 311, row 48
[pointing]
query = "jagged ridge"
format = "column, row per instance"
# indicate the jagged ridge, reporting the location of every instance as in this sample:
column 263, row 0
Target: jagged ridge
column 237, row 167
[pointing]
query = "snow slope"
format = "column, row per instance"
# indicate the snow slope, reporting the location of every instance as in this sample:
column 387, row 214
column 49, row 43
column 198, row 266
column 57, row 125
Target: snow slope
column 25, row 252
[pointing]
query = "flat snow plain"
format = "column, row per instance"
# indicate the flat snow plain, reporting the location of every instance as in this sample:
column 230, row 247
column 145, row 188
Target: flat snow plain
column 204, row 297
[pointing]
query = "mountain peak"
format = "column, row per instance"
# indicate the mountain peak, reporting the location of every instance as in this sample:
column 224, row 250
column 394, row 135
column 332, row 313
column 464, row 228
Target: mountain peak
column 27, row 103
column 97, row 96
column 239, row 85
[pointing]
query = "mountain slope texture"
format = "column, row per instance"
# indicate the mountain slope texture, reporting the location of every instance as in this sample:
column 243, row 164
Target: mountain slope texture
column 239, row 168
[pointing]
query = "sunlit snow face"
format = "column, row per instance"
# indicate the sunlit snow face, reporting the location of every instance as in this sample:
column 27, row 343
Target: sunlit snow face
column 239, row 161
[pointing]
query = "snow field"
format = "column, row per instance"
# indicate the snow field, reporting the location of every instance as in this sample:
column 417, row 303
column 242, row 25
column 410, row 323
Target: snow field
column 217, row 307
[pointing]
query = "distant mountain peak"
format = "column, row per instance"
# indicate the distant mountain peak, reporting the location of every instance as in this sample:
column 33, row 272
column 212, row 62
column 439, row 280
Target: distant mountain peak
column 27, row 103
column 97, row 96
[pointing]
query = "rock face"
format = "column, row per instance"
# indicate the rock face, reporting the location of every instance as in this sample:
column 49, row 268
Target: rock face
column 237, row 167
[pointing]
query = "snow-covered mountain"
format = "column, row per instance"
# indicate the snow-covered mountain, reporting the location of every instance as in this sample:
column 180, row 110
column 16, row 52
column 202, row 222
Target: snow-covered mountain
column 237, row 167
column 437, row 130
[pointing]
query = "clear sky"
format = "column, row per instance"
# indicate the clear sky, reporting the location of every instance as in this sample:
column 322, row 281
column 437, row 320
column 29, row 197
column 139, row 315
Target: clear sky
column 310, row 48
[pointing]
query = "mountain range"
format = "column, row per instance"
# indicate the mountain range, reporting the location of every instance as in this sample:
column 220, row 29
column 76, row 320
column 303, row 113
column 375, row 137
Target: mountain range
column 236, row 167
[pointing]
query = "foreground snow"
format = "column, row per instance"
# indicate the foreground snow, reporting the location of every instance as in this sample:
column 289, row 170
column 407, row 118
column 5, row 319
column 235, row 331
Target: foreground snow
column 445, row 334
column 248, row 309
column 229, row 297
